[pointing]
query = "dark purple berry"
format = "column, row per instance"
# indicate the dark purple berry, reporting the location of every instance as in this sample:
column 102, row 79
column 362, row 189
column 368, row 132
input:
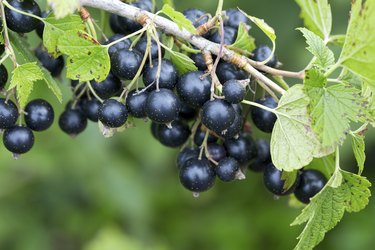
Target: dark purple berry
column 185, row 155
column 226, row 71
column 39, row 115
column 174, row 136
column 3, row 76
column 91, row 109
column 233, row 18
column 125, row 64
column 262, row 52
column 162, row 106
column 199, row 137
column 197, row 175
column 53, row 65
column 263, row 119
column 8, row 114
column 263, row 156
column 311, row 182
column 187, row 113
column 154, row 49
column 227, row 169
column 236, row 127
column 136, row 102
column 124, row 44
column 167, row 77
column 194, row 88
column 217, row 115
column 199, row 61
column 115, row 26
column 72, row 122
column 196, row 16
column 107, row 88
column 217, row 152
column 21, row 23
column 243, row 148
column 234, row 91
column 18, row 140
column 230, row 35
column 112, row 114
column 274, row 183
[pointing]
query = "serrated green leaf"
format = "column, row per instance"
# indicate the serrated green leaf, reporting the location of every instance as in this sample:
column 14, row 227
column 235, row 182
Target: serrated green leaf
column 317, row 16
column 332, row 108
column 55, row 28
column 87, row 59
column 267, row 30
column 63, row 8
column 182, row 62
column 358, row 53
column 324, row 56
column 178, row 18
column 293, row 141
column 327, row 208
column 358, row 146
column 244, row 41
column 23, row 52
column 23, row 79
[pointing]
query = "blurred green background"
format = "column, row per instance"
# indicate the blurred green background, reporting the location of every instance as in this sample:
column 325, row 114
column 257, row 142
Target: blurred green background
column 93, row 193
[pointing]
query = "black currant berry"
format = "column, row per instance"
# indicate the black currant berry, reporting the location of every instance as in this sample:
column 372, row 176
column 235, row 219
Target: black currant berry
column 194, row 88
column 40, row 28
column 175, row 136
column 125, row 64
column 136, row 102
column 39, row 115
column 230, row 35
column 72, row 121
column 74, row 84
column 263, row 156
column 112, row 114
column 154, row 49
column 129, row 26
column 124, row 44
column 263, row 119
column 217, row 115
column 235, row 128
column 167, row 78
column 91, row 109
column 217, row 152
column 78, row 105
column 162, row 106
column 234, row 91
column 187, row 113
column 115, row 26
column 226, row 71
column 18, row 22
column 197, row 175
column 18, row 140
column 199, row 61
column 227, row 169
column 185, row 155
column 199, row 137
column 311, row 182
column 274, row 183
column 233, row 18
column 3, row 76
column 107, row 88
column 8, row 114
column 196, row 16
column 243, row 148
column 53, row 65
column 262, row 52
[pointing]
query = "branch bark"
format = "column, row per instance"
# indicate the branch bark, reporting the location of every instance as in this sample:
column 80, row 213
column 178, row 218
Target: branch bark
column 169, row 27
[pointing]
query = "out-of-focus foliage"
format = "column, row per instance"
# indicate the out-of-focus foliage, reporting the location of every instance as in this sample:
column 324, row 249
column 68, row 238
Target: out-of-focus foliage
column 93, row 193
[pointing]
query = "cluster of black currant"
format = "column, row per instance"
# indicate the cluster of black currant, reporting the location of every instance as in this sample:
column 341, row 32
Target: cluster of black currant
column 211, row 126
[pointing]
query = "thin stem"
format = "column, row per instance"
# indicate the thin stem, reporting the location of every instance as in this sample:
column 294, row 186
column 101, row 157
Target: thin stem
column 333, row 68
column 7, row 54
column 160, row 56
column 255, row 104
column 204, row 144
column 127, row 37
column 93, row 91
column 8, row 46
column 276, row 72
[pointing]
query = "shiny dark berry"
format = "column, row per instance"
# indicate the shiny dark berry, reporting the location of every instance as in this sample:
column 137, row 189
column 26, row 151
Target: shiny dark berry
column 199, row 61
column 196, row 16
column 53, row 65
column 236, row 127
column 162, row 106
column 263, row 156
column 18, row 22
column 263, row 119
column 8, row 114
column 262, row 52
column 72, row 122
column 217, row 152
column 91, row 109
column 234, row 91
column 174, row 136
column 39, row 115
column 311, row 182
column 167, row 78
column 274, row 183
column 112, row 113
column 199, row 137
column 3, row 76
column 230, row 35
column 154, row 49
column 187, row 113
column 194, row 88
column 233, row 18
column 243, row 149
column 227, row 169
column 226, row 71
column 217, row 115
column 107, row 88
column 185, row 155
column 136, row 102
column 125, row 64
column 18, row 140
column 115, row 26
column 129, row 26
column 124, row 44
column 197, row 175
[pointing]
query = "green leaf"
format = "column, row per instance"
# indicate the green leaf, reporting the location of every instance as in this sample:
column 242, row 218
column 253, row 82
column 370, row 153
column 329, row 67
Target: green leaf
column 358, row 146
column 358, row 54
column 293, row 142
column 289, row 179
column 23, row 79
column 183, row 63
column 332, row 108
column 324, row 56
column 178, row 18
column 327, row 208
column 87, row 59
column 268, row 30
column 63, row 8
column 244, row 41
column 317, row 16
column 23, row 52
column 55, row 28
